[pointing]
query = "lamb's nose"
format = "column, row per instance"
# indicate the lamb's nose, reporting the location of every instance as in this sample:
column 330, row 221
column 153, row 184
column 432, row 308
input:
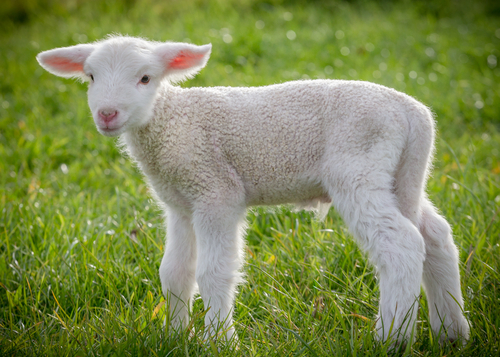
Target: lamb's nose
column 107, row 114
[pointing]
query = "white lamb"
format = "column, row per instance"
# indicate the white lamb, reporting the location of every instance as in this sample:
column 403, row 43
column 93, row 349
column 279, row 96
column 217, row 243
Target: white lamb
column 209, row 153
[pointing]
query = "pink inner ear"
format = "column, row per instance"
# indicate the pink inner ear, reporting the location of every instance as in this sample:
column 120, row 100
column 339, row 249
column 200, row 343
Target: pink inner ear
column 64, row 64
column 185, row 60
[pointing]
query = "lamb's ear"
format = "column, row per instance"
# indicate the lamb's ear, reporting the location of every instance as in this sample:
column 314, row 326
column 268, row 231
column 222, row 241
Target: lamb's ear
column 66, row 61
column 182, row 60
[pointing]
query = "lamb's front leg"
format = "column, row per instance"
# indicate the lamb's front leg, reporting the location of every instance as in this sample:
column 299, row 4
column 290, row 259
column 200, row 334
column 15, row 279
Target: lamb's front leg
column 219, row 234
column 177, row 269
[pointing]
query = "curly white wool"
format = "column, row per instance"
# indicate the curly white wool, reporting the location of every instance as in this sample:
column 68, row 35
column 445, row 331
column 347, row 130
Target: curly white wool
column 209, row 153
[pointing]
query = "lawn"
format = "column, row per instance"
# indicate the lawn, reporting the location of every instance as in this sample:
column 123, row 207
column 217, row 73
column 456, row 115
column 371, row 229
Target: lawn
column 81, row 240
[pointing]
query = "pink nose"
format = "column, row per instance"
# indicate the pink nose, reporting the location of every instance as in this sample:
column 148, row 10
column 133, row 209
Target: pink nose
column 107, row 115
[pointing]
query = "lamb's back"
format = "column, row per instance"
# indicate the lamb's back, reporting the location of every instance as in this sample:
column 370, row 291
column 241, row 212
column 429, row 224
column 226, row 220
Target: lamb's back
column 270, row 141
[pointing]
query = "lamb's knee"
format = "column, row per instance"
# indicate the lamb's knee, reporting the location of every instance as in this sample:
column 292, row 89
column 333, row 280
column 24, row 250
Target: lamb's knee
column 434, row 226
column 398, row 245
column 176, row 278
column 217, row 281
column 437, row 234
column 399, row 260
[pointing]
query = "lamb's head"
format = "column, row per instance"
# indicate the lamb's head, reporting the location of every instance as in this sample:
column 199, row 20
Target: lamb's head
column 124, row 74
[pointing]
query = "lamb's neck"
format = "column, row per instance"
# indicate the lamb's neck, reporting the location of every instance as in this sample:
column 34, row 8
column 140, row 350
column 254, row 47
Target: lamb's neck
column 142, row 142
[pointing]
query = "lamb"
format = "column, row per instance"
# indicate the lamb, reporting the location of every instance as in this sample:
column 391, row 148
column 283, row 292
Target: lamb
column 209, row 153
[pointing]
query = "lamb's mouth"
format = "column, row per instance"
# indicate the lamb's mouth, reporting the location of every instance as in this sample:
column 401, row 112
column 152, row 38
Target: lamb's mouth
column 110, row 131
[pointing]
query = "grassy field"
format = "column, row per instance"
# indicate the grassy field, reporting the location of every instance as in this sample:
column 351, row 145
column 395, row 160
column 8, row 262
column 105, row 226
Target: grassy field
column 81, row 241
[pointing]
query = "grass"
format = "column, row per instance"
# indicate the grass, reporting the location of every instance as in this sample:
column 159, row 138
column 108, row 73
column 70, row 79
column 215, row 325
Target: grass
column 81, row 241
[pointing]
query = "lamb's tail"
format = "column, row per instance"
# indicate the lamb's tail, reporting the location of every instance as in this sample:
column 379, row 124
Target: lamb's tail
column 415, row 162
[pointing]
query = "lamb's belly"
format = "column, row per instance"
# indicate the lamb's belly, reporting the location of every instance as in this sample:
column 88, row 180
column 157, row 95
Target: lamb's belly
column 276, row 193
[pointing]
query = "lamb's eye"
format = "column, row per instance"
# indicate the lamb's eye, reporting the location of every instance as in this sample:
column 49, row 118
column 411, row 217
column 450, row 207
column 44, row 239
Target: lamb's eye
column 145, row 79
column 92, row 77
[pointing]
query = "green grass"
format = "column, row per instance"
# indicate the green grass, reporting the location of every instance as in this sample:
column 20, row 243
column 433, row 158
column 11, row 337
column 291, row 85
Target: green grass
column 81, row 241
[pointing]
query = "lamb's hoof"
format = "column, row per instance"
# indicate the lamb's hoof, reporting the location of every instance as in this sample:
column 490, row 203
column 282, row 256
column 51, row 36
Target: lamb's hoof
column 455, row 337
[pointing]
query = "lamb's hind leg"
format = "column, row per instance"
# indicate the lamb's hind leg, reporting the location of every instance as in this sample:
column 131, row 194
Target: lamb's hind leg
column 441, row 277
column 394, row 245
column 177, row 269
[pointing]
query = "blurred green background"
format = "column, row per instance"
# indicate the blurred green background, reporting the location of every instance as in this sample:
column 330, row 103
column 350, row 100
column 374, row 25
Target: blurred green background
column 79, row 234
